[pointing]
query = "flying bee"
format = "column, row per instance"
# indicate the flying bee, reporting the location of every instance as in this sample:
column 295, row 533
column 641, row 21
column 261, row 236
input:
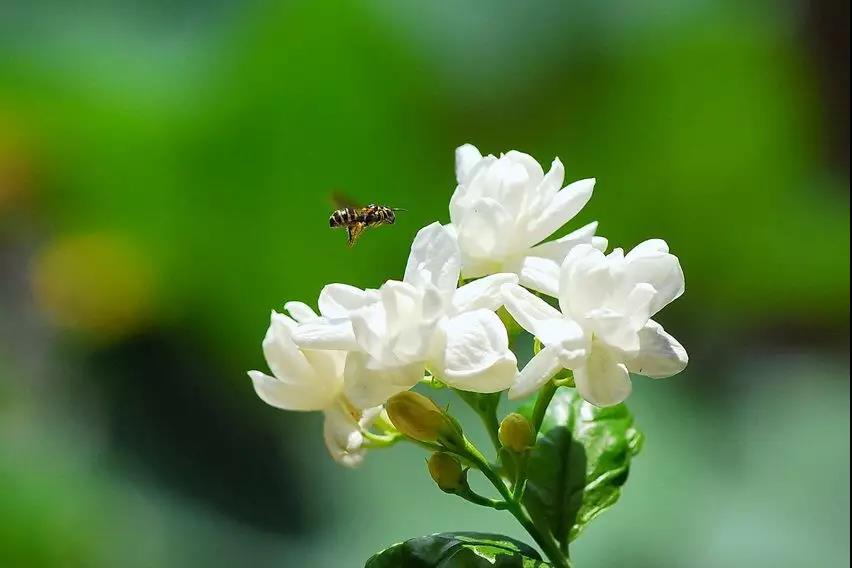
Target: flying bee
column 356, row 219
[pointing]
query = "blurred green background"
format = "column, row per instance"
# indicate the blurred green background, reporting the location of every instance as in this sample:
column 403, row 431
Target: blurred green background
column 165, row 174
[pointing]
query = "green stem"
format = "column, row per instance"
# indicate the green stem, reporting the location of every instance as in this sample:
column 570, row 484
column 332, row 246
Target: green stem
column 545, row 541
column 545, row 395
column 521, row 480
column 487, row 414
column 381, row 441
column 430, row 381
column 492, row 426
column 470, row 495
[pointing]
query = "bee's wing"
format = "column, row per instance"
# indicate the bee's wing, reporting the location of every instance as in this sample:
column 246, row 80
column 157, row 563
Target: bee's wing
column 341, row 201
column 354, row 231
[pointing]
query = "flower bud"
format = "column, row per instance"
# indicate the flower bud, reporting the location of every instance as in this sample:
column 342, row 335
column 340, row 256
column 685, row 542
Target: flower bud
column 446, row 471
column 419, row 418
column 516, row 433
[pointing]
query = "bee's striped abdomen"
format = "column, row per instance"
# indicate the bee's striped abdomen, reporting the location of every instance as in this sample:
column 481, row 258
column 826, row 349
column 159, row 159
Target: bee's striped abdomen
column 343, row 217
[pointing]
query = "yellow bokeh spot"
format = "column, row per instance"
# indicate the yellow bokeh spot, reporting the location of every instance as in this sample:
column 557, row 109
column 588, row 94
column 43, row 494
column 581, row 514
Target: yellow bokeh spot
column 99, row 284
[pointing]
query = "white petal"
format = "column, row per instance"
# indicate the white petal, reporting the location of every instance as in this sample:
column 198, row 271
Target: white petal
column 535, row 174
column 573, row 358
column 552, row 181
column 282, row 355
column 660, row 354
column 536, row 200
column 300, row 311
column 582, row 253
column 616, row 256
column 498, row 376
column 612, row 328
column 434, row 304
column 585, row 281
column 563, row 332
column 343, row 438
column 412, row 316
column 467, row 156
column 508, row 181
column 468, row 193
column 637, row 306
column 435, row 259
column 539, row 274
column 603, row 380
column 327, row 367
column 479, row 267
column 338, row 300
column 557, row 250
column 528, row 310
column 564, row 206
column 370, row 415
column 482, row 293
column 370, row 329
column 414, row 343
column 540, row 369
column 367, row 383
column 651, row 262
column 650, row 246
column 619, row 326
column 402, row 303
column 306, row 380
column 487, row 230
column 288, row 395
column 476, row 355
column 326, row 334
column 476, row 183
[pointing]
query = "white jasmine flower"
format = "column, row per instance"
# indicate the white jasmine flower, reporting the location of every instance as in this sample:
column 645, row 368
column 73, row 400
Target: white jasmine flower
column 312, row 380
column 604, row 328
column 422, row 322
column 504, row 207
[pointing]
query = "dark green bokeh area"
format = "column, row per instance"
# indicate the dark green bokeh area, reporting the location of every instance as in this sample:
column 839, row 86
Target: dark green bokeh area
column 165, row 181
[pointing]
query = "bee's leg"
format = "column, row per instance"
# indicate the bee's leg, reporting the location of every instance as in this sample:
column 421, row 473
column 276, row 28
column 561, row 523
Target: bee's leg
column 354, row 231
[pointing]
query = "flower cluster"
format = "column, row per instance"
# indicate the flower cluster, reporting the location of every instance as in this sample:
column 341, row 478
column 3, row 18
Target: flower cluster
column 364, row 346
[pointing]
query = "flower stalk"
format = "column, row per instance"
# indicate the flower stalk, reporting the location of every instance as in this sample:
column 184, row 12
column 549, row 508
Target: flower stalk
column 546, row 542
column 485, row 407
column 545, row 395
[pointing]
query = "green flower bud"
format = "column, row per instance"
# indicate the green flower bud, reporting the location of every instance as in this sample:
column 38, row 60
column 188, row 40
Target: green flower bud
column 419, row 418
column 516, row 433
column 447, row 472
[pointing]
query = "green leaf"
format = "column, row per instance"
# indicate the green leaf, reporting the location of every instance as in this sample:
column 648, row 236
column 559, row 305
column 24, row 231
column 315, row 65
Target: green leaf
column 458, row 550
column 579, row 463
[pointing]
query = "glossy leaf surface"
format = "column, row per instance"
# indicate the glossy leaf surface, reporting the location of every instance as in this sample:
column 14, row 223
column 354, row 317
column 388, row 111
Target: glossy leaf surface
column 458, row 550
column 579, row 463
